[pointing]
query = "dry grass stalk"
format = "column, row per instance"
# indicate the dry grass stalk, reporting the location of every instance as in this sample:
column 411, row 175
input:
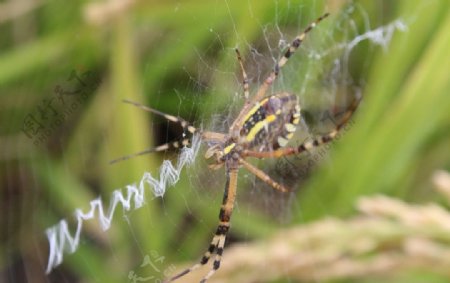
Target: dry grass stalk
column 389, row 237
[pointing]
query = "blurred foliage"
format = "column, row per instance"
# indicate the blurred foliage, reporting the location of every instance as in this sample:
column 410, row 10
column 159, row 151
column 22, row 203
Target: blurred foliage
column 84, row 57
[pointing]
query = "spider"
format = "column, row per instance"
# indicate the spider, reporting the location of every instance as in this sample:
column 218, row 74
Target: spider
column 262, row 129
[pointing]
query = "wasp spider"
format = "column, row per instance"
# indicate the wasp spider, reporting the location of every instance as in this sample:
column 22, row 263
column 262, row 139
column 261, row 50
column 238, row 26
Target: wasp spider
column 262, row 130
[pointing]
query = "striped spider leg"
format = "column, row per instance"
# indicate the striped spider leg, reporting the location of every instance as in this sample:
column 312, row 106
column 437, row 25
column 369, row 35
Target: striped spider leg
column 187, row 127
column 264, row 124
column 262, row 130
column 237, row 124
column 309, row 145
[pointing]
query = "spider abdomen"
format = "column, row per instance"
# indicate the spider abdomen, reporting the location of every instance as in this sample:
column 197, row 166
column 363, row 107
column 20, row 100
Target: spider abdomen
column 271, row 122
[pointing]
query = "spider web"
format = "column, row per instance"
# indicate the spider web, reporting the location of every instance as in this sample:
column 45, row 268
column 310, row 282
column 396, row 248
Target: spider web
column 323, row 74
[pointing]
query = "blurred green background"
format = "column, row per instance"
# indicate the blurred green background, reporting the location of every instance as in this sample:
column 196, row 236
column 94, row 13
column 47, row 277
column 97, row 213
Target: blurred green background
column 79, row 59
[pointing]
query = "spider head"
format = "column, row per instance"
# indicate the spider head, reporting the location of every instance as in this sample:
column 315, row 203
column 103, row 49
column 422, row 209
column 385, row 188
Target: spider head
column 216, row 151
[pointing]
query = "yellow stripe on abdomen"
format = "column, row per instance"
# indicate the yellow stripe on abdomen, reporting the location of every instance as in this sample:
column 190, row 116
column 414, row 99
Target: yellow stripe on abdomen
column 258, row 126
column 255, row 109
column 228, row 148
